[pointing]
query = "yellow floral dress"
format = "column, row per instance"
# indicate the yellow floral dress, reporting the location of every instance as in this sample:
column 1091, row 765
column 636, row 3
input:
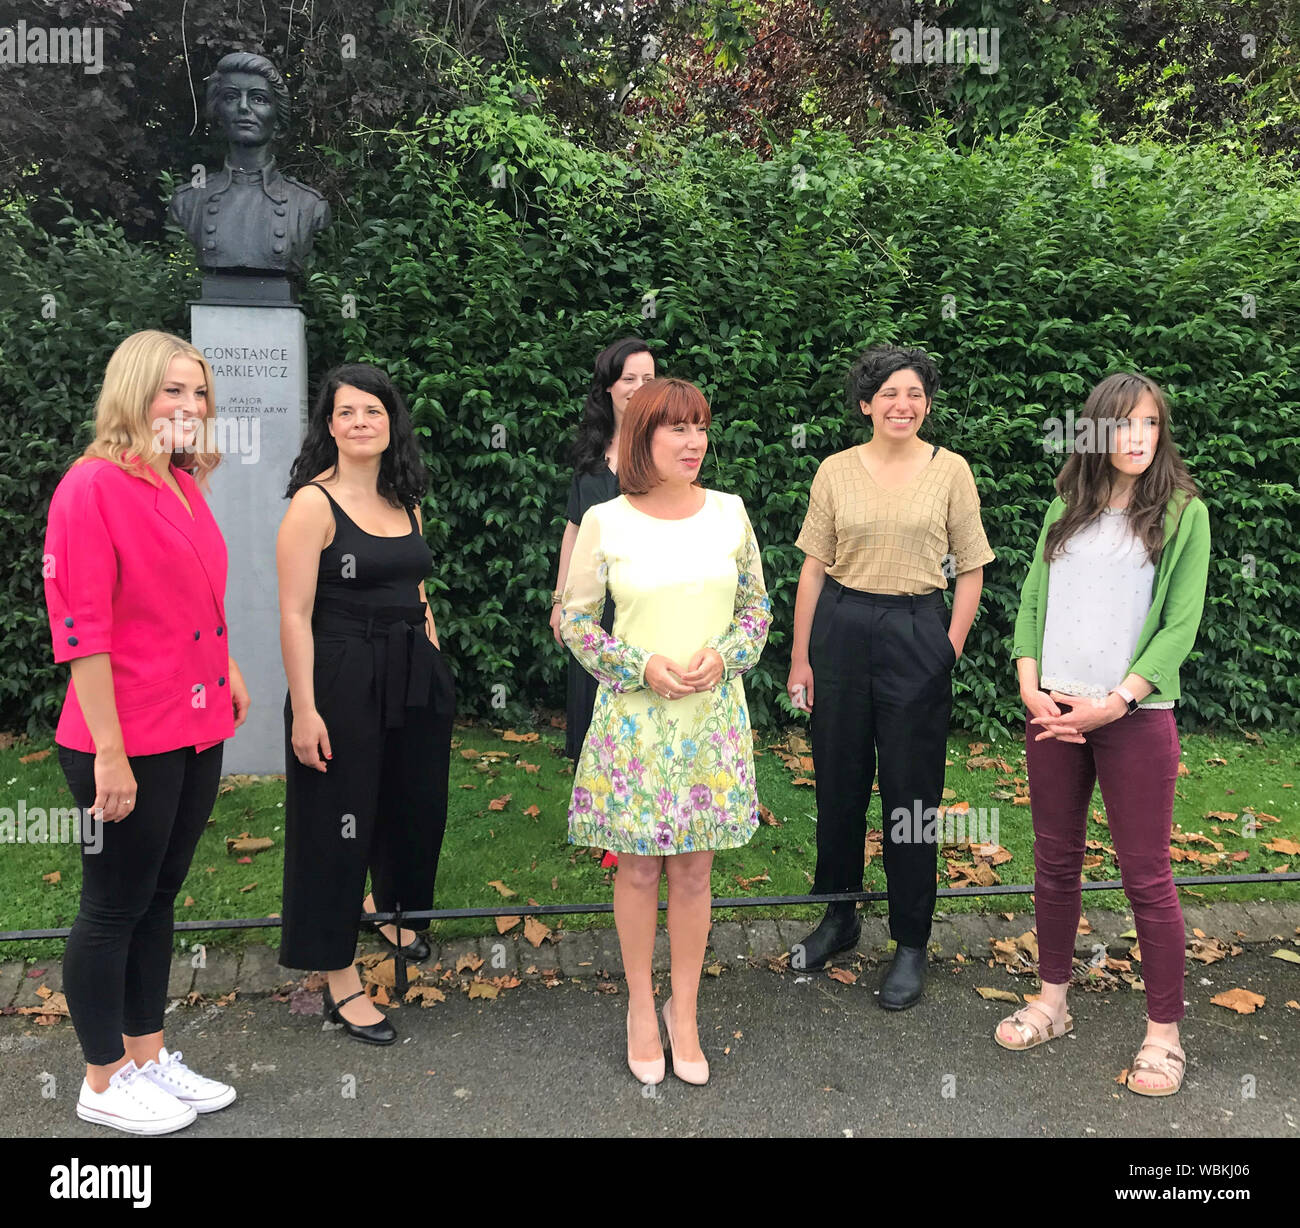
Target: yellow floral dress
column 660, row 776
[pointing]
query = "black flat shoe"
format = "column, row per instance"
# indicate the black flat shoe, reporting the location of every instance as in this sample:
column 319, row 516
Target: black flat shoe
column 381, row 1033
column 905, row 980
column 417, row 952
column 837, row 931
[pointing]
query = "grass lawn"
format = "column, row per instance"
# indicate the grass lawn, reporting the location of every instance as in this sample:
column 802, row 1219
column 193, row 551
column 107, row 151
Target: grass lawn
column 524, row 846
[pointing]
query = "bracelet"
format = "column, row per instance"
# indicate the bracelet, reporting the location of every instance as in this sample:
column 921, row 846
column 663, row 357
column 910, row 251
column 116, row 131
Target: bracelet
column 556, row 597
column 1130, row 704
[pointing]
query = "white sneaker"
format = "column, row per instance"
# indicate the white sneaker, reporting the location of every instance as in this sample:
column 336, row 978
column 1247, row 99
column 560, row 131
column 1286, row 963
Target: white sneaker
column 175, row 1078
column 134, row 1104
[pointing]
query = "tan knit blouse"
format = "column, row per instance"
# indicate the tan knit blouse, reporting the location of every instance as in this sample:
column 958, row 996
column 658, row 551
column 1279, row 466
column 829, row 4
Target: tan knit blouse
column 894, row 541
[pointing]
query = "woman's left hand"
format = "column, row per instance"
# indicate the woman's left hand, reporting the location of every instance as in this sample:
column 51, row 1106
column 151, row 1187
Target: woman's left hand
column 238, row 694
column 704, row 670
column 1079, row 715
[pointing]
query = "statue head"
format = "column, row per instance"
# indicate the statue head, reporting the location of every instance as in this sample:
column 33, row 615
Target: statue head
column 248, row 99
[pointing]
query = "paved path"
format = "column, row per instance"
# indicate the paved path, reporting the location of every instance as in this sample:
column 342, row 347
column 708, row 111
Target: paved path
column 807, row 1055
column 593, row 953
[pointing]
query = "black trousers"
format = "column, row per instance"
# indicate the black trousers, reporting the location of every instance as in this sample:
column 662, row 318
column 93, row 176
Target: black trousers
column 118, row 956
column 381, row 804
column 882, row 696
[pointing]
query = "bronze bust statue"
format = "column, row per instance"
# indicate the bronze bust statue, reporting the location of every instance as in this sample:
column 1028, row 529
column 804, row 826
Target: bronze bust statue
column 249, row 218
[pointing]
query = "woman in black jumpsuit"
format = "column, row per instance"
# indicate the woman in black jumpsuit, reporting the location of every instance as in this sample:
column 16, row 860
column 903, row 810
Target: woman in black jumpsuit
column 377, row 718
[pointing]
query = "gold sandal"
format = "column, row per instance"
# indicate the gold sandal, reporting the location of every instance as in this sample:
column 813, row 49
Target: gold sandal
column 1172, row 1066
column 1033, row 1034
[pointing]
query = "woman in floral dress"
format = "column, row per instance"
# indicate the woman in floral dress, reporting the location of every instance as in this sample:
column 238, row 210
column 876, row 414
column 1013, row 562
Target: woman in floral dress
column 666, row 774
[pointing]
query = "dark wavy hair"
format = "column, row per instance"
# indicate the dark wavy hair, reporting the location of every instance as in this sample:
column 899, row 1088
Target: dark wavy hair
column 403, row 475
column 1087, row 477
column 876, row 364
column 596, row 427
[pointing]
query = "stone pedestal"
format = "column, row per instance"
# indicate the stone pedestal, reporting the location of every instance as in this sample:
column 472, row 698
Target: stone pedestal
column 258, row 356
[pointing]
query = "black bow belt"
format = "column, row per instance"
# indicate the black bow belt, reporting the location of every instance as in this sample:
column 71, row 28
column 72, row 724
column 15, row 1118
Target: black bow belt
column 409, row 678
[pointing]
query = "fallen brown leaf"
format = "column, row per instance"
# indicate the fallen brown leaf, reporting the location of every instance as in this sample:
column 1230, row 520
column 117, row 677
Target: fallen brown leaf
column 426, row 995
column 248, row 844
column 1240, row 1000
column 996, row 995
column 535, row 932
column 1279, row 844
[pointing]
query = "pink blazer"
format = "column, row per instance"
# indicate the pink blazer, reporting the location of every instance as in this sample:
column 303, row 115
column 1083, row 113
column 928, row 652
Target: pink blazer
column 129, row 573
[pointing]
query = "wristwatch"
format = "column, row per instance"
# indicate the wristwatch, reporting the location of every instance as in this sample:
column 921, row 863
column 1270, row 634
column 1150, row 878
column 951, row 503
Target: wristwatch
column 1127, row 696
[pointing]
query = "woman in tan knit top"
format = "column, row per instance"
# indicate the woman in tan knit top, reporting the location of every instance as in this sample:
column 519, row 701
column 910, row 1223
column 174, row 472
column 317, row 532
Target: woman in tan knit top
column 888, row 522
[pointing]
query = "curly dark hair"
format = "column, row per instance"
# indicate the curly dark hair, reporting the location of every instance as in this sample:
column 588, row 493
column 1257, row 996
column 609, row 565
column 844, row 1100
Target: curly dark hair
column 403, row 475
column 876, row 364
column 596, row 428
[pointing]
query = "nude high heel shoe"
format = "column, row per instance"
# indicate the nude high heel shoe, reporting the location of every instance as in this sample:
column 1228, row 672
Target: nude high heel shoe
column 645, row 1072
column 688, row 1072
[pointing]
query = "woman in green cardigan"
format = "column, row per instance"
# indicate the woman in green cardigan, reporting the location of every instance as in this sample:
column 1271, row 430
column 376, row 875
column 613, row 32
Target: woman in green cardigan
column 1108, row 613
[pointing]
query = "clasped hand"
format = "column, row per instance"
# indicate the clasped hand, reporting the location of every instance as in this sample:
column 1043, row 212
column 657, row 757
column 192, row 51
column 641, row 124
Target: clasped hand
column 1084, row 714
column 672, row 681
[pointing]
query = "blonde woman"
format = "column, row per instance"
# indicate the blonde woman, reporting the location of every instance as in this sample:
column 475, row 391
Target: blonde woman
column 666, row 774
column 135, row 580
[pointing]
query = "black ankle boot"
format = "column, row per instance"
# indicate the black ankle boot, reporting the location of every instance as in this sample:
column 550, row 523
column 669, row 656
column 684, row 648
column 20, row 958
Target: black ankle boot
column 905, row 979
column 838, row 931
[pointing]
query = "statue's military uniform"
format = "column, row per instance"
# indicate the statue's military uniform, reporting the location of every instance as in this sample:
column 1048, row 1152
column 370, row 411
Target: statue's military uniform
column 251, row 219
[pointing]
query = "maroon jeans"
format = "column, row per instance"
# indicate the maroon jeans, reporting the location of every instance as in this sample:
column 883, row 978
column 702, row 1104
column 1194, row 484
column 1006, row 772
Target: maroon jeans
column 1135, row 760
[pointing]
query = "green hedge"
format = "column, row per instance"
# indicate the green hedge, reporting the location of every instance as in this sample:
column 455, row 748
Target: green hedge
column 1064, row 261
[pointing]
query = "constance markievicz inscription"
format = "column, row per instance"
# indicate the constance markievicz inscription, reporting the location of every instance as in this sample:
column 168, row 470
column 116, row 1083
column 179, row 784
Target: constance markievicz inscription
column 248, row 217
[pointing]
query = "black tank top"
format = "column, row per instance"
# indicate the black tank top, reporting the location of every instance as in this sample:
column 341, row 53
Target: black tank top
column 360, row 567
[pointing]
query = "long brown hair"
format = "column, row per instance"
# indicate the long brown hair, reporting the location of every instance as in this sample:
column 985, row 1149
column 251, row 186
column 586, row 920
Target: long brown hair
column 659, row 402
column 1087, row 477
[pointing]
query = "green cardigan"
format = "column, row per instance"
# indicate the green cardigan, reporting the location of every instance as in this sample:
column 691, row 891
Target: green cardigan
column 1170, row 628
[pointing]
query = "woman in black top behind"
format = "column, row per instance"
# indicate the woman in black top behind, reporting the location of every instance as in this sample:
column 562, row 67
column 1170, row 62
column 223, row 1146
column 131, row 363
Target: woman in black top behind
column 620, row 370
column 369, row 710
